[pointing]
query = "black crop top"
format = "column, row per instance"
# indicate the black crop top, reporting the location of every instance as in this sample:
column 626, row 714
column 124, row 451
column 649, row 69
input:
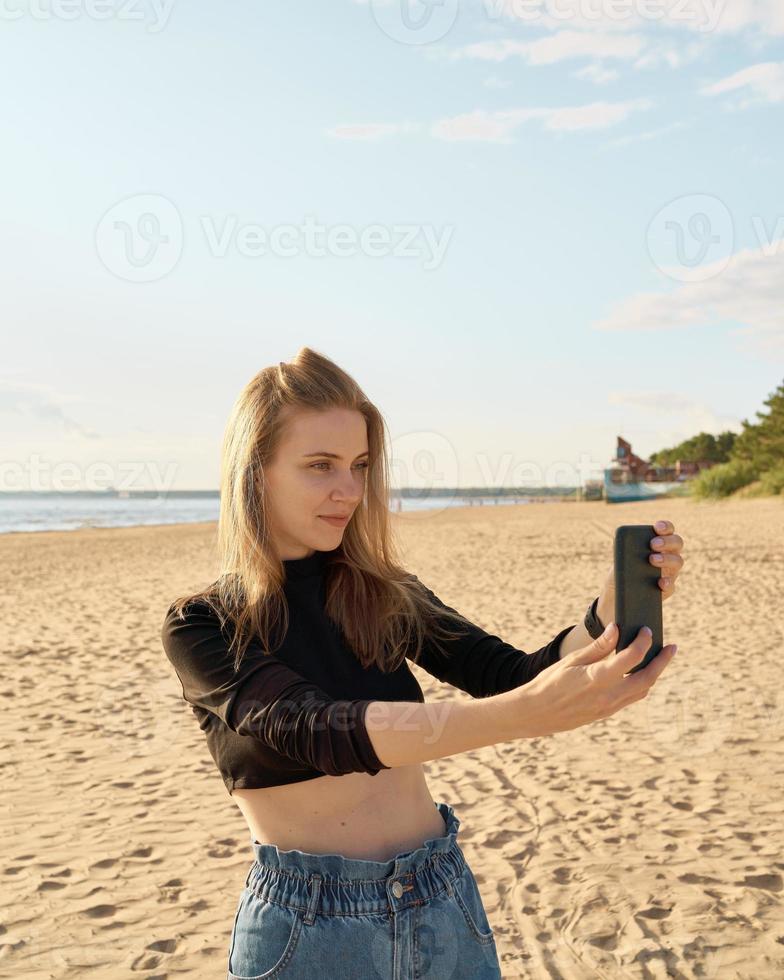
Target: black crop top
column 299, row 714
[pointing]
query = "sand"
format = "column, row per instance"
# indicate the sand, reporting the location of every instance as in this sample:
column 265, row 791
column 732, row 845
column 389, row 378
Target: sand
column 646, row 845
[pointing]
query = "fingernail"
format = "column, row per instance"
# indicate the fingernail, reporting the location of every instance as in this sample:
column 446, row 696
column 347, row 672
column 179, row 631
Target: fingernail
column 647, row 630
column 674, row 649
column 660, row 525
column 608, row 629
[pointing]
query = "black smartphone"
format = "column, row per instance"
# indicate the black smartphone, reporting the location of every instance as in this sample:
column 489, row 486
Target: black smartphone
column 638, row 598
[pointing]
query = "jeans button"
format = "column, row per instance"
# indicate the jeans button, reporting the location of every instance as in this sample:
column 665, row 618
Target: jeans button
column 397, row 889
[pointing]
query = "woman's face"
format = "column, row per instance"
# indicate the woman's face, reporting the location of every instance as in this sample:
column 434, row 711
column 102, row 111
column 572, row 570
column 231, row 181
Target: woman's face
column 318, row 469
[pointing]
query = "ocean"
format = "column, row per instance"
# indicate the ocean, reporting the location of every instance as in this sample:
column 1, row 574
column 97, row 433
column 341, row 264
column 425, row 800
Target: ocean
column 72, row 511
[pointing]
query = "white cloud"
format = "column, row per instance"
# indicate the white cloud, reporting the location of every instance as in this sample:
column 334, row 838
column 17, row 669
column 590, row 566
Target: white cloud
column 672, row 57
column 659, row 401
column 765, row 81
column 488, row 127
column 650, row 134
column 42, row 404
column 739, row 15
column 562, row 45
column 493, row 81
column 749, row 292
column 496, row 127
column 371, row 131
column 597, row 115
column 556, row 47
column 691, row 415
column 597, row 73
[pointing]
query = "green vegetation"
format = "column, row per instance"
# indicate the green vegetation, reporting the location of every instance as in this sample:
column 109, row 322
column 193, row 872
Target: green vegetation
column 704, row 446
column 754, row 464
column 773, row 480
column 724, row 479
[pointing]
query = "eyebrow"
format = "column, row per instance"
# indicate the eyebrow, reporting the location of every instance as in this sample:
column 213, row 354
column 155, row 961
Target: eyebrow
column 333, row 455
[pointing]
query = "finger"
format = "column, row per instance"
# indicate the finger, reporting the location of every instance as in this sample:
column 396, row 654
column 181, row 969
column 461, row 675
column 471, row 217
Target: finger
column 634, row 653
column 597, row 649
column 674, row 563
column 644, row 679
column 667, row 542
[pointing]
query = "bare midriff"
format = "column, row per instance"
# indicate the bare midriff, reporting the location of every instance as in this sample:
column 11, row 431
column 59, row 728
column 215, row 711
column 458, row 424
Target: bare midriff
column 357, row 815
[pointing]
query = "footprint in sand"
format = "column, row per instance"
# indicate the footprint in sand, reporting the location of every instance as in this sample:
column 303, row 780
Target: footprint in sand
column 103, row 864
column 654, row 912
column 771, row 882
column 99, row 911
column 163, row 946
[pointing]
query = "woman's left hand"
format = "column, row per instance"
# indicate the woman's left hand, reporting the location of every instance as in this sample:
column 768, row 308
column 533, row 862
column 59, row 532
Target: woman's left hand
column 665, row 555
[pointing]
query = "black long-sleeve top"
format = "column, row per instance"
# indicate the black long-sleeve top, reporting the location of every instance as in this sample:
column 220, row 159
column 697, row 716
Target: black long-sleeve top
column 299, row 714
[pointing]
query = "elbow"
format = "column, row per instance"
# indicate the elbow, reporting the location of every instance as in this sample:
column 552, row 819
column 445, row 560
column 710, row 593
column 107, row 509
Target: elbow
column 331, row 737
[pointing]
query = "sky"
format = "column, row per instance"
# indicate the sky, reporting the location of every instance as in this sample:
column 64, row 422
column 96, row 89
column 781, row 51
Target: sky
column 524, row 228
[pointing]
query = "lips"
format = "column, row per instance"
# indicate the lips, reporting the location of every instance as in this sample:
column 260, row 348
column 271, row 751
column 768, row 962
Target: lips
column 335, row 521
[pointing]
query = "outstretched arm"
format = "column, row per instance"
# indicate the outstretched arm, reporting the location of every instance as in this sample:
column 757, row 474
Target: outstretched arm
column 482, row 664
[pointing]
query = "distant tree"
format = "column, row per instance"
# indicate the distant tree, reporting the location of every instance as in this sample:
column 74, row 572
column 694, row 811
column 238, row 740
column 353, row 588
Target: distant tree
column 725, row 442
column 762, row 443
column 703, row 446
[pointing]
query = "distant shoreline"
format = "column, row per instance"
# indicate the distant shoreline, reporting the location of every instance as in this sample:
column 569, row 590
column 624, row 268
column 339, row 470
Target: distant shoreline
column 52, row 513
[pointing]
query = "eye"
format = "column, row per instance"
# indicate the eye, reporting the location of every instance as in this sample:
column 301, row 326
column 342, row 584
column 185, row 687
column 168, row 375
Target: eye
column 363, row 465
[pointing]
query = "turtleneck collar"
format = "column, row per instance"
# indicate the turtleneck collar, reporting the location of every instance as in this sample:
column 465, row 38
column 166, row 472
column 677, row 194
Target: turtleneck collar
column 296, row 569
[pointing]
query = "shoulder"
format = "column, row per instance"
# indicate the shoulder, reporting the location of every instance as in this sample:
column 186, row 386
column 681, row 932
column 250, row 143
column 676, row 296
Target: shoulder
column 187, row 609
column 189, row 618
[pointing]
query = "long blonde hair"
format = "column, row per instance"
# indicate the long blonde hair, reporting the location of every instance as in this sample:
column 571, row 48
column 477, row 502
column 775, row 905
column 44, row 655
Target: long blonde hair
column 384, row 612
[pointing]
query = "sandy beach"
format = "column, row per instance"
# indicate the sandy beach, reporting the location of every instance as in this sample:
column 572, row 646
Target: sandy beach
column 647, row 845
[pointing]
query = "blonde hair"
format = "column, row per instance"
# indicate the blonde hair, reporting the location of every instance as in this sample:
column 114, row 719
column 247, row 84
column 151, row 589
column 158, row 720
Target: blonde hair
column 384, row 612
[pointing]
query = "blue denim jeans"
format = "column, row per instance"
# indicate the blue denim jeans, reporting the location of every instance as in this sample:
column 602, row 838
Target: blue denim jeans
column 418, row 915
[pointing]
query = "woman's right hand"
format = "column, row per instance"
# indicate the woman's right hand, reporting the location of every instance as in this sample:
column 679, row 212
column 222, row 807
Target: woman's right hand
column 589, row 684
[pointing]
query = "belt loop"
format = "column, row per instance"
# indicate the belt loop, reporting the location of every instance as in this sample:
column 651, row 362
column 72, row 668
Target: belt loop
column 436, row 867
column 310, row 915
column 250, row 872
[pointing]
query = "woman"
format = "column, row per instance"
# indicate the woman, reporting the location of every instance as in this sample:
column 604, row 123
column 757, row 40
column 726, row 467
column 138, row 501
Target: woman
column 295, row 663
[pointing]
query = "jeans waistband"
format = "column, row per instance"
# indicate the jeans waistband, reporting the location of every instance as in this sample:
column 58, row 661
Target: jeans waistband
column 330, row 884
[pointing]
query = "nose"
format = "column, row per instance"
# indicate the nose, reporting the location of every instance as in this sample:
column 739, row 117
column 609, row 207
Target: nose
column 348, row 487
